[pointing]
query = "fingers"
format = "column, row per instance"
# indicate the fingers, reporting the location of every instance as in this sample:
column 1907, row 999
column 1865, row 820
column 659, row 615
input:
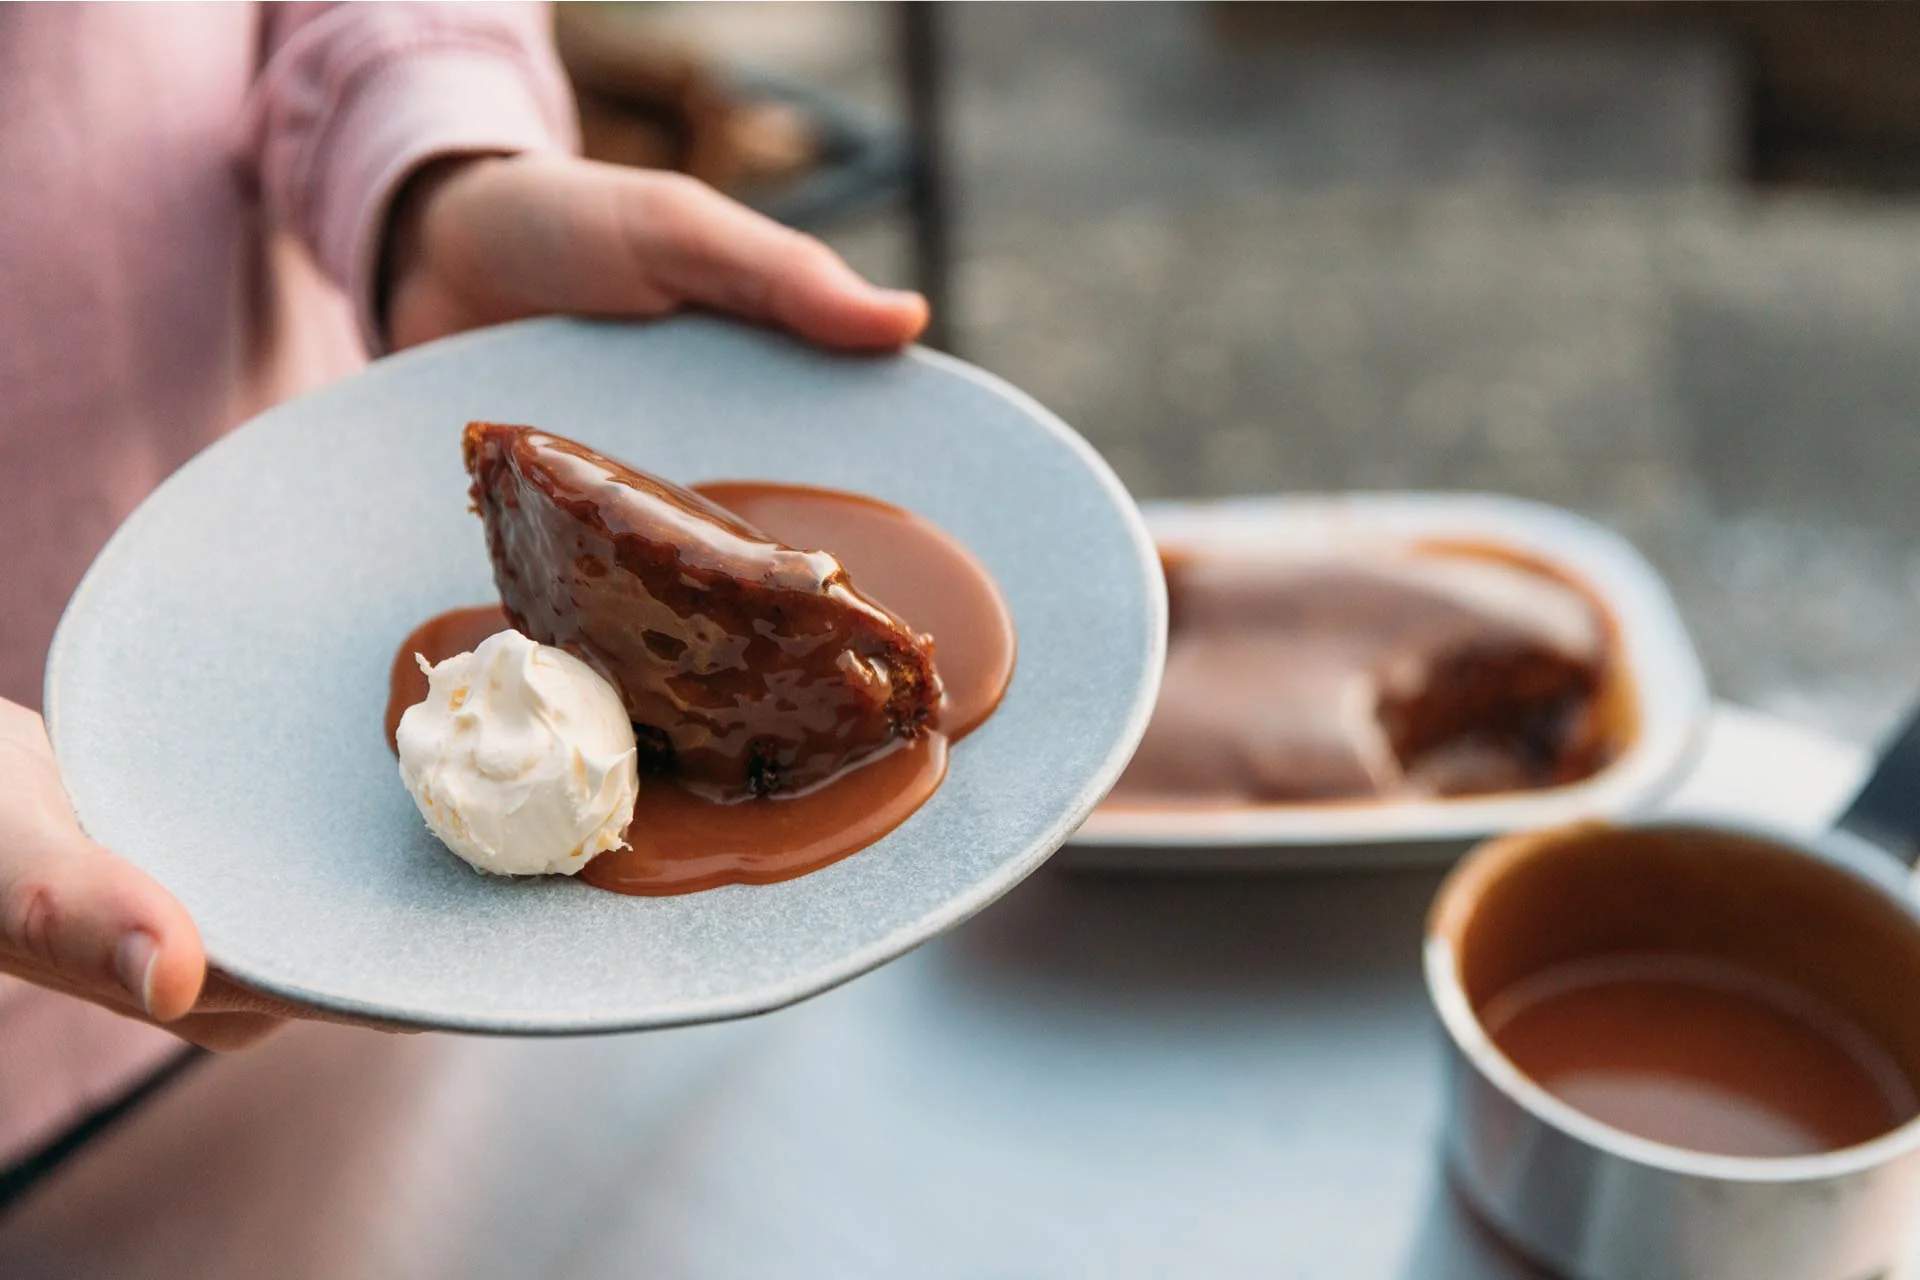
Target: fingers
column 493, row 239
column 222, row 995
column 72, row 911
column 227, row 1016
column 694, row 244
column 217, row 1029
column 226, row 1032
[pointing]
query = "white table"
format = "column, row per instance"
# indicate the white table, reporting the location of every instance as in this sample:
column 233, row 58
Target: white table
column 1096, row 1077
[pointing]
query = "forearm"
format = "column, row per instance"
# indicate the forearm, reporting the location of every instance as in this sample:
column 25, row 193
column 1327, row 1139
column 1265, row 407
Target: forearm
column 353, row 100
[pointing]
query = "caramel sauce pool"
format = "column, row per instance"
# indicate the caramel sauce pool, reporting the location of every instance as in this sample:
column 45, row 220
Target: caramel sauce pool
column 1701, row 1055
column 679, row 842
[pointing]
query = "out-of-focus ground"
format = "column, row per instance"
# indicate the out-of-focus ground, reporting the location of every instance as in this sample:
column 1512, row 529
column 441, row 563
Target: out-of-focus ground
column 1518, row 262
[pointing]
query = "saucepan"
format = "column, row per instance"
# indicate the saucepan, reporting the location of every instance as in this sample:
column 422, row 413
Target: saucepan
column 1688, row 1049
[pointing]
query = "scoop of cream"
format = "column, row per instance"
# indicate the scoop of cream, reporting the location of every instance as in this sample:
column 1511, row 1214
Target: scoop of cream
column 521, row 757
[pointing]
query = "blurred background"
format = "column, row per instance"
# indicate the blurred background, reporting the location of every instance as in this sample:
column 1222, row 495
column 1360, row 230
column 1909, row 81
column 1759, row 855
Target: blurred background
column 1657, row 263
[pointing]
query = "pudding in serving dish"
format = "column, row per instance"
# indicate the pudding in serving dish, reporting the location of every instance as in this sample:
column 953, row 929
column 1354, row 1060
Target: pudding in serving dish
column 789, row 704
column 1421, row 672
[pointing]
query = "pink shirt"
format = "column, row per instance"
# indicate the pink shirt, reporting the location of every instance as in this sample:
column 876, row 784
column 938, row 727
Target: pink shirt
column 194, row 202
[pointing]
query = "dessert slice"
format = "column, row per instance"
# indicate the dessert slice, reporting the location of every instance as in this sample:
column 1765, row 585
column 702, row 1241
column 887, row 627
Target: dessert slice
column 748, row 667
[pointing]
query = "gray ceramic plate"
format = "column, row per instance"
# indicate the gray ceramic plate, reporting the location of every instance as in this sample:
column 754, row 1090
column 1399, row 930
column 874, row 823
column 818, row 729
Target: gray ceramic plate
column 216, row 687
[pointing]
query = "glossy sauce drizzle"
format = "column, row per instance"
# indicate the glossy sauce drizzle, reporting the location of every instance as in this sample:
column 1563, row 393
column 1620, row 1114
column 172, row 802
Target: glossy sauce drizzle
column 680, row 842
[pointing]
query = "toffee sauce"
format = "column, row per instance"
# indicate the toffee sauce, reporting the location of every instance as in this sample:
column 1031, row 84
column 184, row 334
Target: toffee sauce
column 680, row 841
column 1701, row 1054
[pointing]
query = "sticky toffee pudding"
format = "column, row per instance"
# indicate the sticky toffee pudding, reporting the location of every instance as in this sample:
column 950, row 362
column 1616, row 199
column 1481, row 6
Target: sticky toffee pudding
column 787, row 717
column 1443, row 671
column 749, row 667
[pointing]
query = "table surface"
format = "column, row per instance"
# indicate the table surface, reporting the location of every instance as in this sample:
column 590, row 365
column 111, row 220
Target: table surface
column 1097, row 1076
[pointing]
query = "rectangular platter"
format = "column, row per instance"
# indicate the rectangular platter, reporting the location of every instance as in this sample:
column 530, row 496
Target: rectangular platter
column 1665, row 685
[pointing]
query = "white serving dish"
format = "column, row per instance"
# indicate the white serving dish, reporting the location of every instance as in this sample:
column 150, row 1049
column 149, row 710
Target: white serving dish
column 1667, row 687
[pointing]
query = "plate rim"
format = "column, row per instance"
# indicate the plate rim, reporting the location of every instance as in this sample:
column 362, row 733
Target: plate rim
column 781, row 993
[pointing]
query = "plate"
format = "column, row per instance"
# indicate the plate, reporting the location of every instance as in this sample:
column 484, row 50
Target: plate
column 215, row 689
column 1668, row 691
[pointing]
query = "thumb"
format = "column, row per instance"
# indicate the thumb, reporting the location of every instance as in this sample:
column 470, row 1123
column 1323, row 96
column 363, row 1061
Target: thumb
column 75, row 916
column 698, row 246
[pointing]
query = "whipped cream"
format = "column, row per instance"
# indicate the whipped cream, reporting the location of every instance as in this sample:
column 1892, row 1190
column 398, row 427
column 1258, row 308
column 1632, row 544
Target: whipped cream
column 521, row 757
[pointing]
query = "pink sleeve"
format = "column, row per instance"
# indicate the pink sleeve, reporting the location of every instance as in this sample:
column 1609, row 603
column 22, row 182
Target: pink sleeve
column 352, row 98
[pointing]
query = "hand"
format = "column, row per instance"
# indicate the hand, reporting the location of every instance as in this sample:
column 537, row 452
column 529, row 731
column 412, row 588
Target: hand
column 77, row 919
column 478, row 241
